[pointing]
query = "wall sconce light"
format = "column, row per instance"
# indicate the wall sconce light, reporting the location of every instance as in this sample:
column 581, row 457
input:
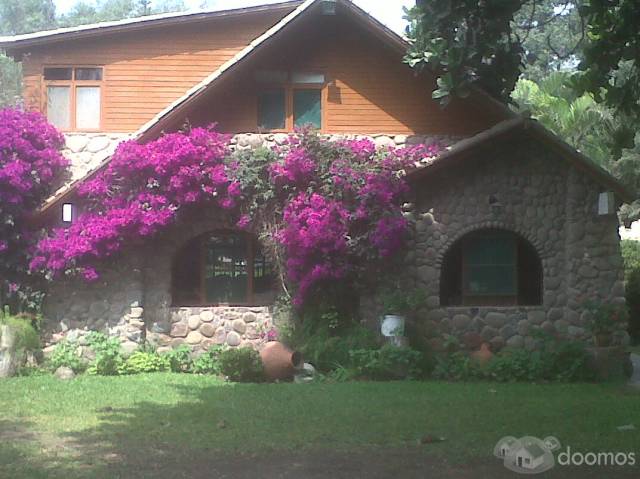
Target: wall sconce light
column 606, row 203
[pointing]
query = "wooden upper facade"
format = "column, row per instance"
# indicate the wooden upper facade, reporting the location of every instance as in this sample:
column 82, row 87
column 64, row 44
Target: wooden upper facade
column 332, row 69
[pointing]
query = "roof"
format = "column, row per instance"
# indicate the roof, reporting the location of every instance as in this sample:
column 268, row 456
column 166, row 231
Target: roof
column 506, row 129
column 156, row 125
column 18, row 42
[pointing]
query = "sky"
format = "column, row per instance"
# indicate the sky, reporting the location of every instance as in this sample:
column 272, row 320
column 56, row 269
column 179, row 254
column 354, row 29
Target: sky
column 388, row 12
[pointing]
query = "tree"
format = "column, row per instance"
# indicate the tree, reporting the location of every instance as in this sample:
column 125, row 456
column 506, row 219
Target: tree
column 475, row 42
column 466, row 42
column 611, row 62
column 552, row 37
column 26, row 16
column 578, row 119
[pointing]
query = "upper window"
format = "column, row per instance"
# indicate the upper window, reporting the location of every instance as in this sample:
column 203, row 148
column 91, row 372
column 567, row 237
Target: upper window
column 222, row 268
column 491, row 267
column 73, row 97
column 289, row 100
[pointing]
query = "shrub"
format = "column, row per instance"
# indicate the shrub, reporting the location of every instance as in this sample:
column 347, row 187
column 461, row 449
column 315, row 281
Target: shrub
column 555, row 360
column 387, row 363
column 241, row 365
column 180, row 359
column 66, row 354
column 109, row 360
column 208, row 362
column 144, row 362
column 631, row 256
column 326, row 343
column 26, row 336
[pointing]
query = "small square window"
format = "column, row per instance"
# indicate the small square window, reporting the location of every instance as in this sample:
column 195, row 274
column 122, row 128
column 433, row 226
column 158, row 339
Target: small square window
column 67, row 212
column 57, row 73
column 271, row 109
column 271, row 76
column 307, row 108
column 89, row 74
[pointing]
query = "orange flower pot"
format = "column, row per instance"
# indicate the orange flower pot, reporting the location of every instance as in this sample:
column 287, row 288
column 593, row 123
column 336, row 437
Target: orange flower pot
column 280, row 362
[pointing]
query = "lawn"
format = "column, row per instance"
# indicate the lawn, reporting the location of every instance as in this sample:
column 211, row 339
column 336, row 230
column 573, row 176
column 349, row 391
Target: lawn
column 170, row 425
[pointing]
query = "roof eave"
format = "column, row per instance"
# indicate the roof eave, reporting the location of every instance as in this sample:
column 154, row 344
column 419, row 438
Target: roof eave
column 18, row 43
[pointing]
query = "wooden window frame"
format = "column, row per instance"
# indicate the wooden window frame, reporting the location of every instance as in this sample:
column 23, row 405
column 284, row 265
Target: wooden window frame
column 289, row 88
column 251, row 247
column 488, row 299
column 73, row 84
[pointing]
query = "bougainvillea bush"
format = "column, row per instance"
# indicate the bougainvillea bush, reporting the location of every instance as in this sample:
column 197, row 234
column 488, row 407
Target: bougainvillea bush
column 141, row 192
column 330, row 210
column 31, row 167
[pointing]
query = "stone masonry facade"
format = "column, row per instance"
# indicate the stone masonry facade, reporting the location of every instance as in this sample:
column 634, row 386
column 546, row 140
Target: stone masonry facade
column 524, row 188
column 539, row 196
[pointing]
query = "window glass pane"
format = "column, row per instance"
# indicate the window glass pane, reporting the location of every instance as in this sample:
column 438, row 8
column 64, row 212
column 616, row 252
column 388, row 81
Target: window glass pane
column 271, row 76
column 307, row 108
column 491, row 265
column 226, row 269
column 58, row 106
column 57, row 73
column 271, row 109
column 88, row 73
column 264, row 279
column 88, row 107
column 312, row 78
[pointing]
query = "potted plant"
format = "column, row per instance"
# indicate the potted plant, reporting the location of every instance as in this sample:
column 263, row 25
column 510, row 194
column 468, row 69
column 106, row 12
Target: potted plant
column 605, row 319
column 397, row 304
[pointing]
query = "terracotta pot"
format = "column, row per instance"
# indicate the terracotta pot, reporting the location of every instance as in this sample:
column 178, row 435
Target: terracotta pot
column 279, row 361
column 603, row 340
column 483, row 355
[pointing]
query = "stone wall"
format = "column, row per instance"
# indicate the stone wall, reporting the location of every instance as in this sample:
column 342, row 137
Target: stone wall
column 551, row 204
column 534, row 193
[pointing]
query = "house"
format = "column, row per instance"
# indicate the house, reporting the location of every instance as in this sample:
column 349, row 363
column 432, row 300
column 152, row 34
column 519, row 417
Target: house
column 514, row 229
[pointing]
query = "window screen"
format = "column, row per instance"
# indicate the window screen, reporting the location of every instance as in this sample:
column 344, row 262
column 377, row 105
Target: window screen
column 226, row 269
column 271, row 109
column 307, row 108
column 490, row 264
column 59, row 106
column 87, row 107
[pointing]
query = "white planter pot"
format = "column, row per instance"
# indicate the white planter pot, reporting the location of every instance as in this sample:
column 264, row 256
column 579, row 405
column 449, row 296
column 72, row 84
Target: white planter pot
column 392, row 325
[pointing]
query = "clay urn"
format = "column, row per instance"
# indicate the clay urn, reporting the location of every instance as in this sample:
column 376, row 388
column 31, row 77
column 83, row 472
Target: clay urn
column 280, row 362
column 483, row 355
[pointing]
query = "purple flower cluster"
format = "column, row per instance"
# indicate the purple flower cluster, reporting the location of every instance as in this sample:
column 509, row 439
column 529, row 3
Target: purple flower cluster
column 342, row 208
column 31, row 167
column 138, row 194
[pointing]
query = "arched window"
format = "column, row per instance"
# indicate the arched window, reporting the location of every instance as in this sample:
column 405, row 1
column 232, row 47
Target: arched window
column 222, row 268
column 491, row 267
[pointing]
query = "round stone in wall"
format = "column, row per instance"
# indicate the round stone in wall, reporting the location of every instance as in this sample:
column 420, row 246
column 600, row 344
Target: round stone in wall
column 220, row 336
column 194, row 321
column 206, row 316
column 233, row 339
column 179, row 330
column 240, row 326
column 208, row 330
column 249, row 317
column 194, row 337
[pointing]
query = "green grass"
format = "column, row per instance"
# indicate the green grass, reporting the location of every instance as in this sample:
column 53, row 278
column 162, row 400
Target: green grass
column 97, row 426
